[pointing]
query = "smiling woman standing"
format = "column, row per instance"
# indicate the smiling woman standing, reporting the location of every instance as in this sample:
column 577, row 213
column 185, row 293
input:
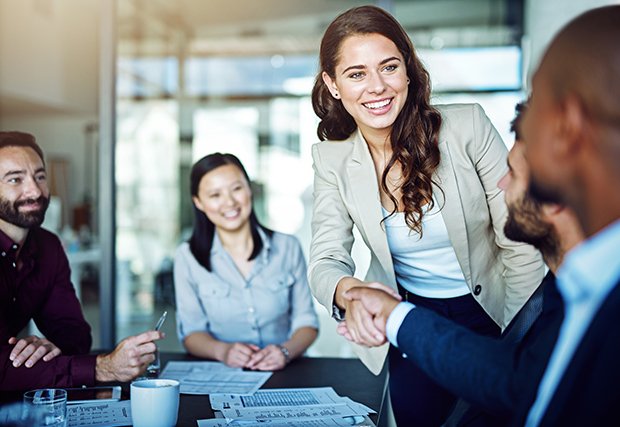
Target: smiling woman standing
column 241, row 290
column 420, row 184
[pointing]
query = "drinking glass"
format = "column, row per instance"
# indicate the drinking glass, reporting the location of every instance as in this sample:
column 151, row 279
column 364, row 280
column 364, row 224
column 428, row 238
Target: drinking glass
column 50, row 402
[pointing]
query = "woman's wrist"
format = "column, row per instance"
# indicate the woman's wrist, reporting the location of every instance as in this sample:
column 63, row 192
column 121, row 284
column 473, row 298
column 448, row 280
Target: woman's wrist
column 285, row 353
column 221, row 350
column 344, row 285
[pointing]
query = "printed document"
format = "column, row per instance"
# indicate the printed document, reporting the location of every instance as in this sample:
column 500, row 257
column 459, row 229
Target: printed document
column 359, row 421
column 214, row 377
column 99, row 414
column 280, row 407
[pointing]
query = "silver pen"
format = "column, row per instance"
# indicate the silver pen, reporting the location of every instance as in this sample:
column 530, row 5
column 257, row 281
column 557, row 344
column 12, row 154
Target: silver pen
column 161, row 320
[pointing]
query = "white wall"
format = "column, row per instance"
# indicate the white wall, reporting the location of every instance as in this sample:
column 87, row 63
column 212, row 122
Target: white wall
column 49, row 77
column 543, row 19
column 49, row 51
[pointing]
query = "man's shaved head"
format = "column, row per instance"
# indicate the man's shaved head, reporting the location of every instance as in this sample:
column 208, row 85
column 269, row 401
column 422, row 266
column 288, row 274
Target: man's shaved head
column 572, row 125
column 584, row 61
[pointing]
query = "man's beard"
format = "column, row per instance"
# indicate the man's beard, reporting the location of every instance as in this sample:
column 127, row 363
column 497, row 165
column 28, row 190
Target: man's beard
column 10, row 213
column 524, row 224
column 541, row 194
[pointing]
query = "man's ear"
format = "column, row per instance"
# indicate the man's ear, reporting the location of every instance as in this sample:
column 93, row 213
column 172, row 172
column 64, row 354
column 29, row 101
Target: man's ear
column 572, row 125
column 551, row 209
column 330, row 83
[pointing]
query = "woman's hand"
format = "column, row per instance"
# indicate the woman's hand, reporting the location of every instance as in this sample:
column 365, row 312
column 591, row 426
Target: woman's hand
column 379, row 303
column 238, row 355
column 360, row 327
column 30, row 350
column 269, row 358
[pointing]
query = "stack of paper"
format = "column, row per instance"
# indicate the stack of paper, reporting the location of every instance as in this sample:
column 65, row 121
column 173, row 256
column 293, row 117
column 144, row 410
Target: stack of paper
column 213, row 377
column 288, row 407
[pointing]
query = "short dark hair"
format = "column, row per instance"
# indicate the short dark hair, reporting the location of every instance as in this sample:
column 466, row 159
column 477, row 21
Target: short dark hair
column 516, row 122
column 20, row 139
column 201, row 241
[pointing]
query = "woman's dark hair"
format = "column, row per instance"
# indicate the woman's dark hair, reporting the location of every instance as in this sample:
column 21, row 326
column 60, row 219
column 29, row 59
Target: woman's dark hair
column 415, row 133
column 201, row 241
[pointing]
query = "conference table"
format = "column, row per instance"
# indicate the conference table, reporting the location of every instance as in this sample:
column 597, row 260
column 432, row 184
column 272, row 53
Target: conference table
column 348, row 377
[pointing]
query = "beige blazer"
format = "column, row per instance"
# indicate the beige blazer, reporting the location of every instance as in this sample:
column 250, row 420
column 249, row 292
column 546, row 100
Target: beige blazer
column 500, row 273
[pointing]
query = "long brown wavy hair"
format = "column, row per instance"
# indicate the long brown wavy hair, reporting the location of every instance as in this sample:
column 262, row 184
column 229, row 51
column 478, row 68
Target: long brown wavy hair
column 415, row 133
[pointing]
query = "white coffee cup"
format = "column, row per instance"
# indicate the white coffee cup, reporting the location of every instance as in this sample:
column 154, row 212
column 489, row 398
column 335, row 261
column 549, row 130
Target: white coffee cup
column 154, row 403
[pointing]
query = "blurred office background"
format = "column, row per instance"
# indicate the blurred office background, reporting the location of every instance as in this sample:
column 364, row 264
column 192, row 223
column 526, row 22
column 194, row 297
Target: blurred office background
column 124, row 95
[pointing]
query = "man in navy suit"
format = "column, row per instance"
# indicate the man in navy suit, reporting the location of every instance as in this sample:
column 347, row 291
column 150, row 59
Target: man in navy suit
column 572, row 132
column 572, row 135
column 493, row 375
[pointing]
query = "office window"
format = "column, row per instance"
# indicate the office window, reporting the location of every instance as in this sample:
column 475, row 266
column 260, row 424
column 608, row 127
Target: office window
column 147, row 197
column 249, row 76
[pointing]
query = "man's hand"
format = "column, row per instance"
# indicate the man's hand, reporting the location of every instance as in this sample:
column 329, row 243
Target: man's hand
column 129, row 359
column 269, row 358
column 343, row 329
column 238, row 355
column 378, row 303
column 32, row 349
column 360, row 324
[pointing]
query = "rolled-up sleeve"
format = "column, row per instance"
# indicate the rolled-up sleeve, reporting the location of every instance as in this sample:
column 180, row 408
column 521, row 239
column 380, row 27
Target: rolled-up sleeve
column 191, row 315
column 302, row 305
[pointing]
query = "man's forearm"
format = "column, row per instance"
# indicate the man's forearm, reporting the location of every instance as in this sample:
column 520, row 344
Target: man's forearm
column 62, row 371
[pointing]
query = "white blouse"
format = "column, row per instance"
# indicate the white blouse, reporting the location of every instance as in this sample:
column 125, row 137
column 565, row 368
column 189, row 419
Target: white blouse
column 425, row 266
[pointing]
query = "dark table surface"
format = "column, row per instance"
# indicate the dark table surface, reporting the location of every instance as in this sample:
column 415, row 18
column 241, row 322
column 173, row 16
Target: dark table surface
column 348, row 377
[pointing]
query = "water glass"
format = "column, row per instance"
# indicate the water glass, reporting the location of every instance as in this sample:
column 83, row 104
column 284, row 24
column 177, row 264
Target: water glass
column 51, row 403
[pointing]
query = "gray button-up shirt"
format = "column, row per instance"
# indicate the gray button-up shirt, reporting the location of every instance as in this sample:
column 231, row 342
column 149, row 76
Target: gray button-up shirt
column 265, row 308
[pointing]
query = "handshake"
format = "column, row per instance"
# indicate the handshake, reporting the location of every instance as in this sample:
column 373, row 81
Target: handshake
column 367, row 309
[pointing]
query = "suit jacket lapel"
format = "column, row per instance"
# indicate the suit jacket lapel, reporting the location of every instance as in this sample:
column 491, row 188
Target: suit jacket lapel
column 447, row 195
column 365, row 190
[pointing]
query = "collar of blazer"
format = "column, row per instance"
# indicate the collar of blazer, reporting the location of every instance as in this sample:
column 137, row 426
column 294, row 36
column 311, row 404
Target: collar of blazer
column 365, row 190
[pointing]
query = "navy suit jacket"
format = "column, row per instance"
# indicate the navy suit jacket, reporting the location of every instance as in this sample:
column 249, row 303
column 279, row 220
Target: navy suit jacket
column 489, row 373
column 589, row 391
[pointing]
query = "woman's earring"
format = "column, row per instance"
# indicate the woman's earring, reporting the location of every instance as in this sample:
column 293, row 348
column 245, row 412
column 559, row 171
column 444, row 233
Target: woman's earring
column 336, row 95
column 408, row 81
